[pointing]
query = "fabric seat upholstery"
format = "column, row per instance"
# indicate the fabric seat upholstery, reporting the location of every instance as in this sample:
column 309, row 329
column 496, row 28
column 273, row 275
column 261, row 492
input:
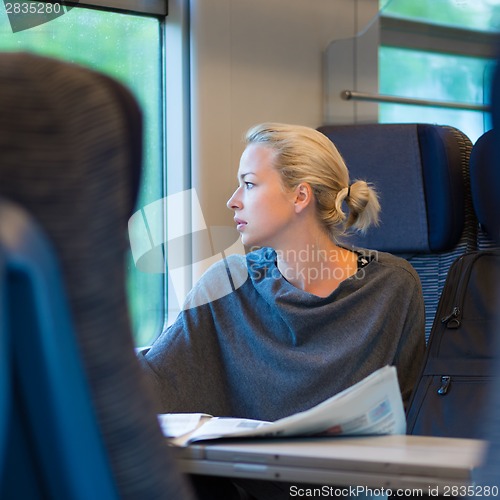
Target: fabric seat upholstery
column 485, row 185
column 70, row 150
column 421, row 174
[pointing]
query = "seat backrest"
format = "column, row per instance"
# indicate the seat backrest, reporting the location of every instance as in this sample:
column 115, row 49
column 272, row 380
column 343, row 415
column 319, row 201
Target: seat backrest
column 421, row 174
column 485, row 185
column 485, row 188
column 70, row 149
column 50, row 416
column 5, row 378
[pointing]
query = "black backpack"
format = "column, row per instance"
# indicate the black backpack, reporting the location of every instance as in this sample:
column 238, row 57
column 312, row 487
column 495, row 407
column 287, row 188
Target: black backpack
column 453, row 388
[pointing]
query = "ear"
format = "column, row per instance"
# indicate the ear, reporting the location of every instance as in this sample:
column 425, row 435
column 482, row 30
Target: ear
column 303, row 196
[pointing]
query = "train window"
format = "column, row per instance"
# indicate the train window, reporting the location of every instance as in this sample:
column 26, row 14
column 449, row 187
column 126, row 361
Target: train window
column 443, row 77
column 127, row 46
column 477, row 15
column 441, row 54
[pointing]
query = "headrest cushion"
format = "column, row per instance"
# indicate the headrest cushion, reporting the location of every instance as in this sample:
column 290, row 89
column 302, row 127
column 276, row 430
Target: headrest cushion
column 417, row 172
column 485, row 183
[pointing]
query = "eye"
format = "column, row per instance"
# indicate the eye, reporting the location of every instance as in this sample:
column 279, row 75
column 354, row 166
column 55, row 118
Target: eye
column 249, row 185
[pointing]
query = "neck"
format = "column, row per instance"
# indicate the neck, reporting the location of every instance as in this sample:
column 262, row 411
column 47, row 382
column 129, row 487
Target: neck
column 316, row 265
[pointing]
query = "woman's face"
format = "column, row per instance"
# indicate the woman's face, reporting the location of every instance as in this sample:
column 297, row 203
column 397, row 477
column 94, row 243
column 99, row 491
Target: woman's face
column 263, row 209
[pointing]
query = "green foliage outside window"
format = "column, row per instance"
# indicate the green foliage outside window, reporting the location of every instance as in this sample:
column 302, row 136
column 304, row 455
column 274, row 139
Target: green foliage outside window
column 128, row 48
column 482, row 15
column 431, row 75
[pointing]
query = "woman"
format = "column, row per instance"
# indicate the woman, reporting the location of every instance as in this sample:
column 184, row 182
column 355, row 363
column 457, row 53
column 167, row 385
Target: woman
column 312, row 317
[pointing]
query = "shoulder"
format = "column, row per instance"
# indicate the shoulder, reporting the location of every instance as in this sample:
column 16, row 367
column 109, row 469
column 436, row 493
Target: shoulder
column 387, row 264
column 258, row 265
column 236, row 267
column 218, row 281
column 234, row 263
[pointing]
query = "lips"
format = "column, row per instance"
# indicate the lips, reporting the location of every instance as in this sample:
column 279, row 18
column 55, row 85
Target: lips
column 239, row 223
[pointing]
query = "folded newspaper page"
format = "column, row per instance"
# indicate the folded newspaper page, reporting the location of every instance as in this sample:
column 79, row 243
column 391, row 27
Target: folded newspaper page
column 372, row 406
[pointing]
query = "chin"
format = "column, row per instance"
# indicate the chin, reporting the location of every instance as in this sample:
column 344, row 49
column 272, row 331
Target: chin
column 246, row 241
column 249, row 242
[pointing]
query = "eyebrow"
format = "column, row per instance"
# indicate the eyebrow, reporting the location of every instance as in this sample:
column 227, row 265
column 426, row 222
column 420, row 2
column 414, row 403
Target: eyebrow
column 242, row 176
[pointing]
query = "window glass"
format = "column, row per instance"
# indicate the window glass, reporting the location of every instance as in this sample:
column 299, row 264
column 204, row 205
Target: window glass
column 127, row 47
column 435, row 76
column 480, row 15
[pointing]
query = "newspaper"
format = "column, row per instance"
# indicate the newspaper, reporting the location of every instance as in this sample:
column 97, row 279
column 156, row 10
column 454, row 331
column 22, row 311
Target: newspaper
column 372, row 406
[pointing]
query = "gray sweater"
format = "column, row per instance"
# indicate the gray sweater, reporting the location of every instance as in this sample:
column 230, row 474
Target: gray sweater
column 268, row 349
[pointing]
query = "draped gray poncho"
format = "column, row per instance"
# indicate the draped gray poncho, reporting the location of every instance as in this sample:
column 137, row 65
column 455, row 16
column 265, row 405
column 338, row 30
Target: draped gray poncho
column 268, row 349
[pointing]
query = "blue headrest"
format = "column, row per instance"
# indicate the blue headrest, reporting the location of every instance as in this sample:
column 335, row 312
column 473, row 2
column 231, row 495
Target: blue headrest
column 485, row 182
column 417, row 170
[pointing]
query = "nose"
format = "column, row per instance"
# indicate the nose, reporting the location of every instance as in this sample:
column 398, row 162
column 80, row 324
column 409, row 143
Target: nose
column 234, row 202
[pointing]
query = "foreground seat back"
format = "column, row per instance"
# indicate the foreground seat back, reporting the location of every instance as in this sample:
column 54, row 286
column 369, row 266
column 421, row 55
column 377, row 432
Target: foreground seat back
column 53, row 442
column 421, row 174
column 70, row 150
column 485, row 184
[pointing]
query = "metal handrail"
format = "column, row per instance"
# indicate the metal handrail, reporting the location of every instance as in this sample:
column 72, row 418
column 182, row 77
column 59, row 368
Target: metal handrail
column 348, row 95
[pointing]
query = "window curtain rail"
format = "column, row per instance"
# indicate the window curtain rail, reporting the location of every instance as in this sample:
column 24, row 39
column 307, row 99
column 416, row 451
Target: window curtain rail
column 352, row 95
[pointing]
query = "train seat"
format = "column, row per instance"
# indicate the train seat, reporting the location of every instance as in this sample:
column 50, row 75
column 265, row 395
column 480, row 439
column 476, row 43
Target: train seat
column 485, row 188
column 421, row 174
column 5, row 379
column 80, row 420
column 47, row 413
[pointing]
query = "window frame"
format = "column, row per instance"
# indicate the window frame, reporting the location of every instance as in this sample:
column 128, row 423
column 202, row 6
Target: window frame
column 152, row 7
column 439, row 39
column 418, row 35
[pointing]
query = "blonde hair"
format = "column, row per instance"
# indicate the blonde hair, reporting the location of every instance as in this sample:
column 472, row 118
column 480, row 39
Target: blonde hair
column 303, row 154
